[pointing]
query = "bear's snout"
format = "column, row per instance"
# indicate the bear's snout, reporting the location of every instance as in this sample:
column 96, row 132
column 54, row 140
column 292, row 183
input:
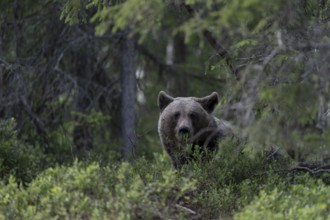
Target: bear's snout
column 183, row 134
column 184, row 130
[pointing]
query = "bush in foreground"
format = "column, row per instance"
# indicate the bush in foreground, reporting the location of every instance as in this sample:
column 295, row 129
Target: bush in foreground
column 236, row 186
column 94, row 192
column 308, row 200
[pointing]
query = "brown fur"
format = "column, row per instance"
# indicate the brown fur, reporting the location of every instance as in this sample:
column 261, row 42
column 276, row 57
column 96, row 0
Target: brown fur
column 188, row 121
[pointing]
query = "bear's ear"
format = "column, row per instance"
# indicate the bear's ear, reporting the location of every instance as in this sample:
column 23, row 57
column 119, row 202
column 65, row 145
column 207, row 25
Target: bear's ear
column 209, row 102
column 164, row 100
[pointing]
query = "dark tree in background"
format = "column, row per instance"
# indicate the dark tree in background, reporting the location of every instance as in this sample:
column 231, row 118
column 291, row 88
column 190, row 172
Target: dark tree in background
column 56, row 83
column 128, row 95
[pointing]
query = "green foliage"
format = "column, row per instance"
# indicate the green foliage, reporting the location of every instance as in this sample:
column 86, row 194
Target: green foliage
column 147, row 189
column 249, row 15
column 94, row 192
column 290, row 110
column 302, row 201
column 73, row 12
column 16, row 158
column 246, row 42
column 120, row 16
column 93, row 118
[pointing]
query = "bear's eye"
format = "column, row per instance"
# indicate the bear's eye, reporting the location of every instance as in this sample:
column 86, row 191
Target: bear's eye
column 193, row 116
column 176, row 115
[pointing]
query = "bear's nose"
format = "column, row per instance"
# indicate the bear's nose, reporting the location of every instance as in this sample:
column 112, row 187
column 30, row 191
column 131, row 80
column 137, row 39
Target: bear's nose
column 184, row 130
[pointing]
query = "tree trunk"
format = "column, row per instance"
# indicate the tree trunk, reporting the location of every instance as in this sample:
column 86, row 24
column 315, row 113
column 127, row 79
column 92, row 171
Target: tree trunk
column 176, row 56
column 82, row 133
column 128, row 97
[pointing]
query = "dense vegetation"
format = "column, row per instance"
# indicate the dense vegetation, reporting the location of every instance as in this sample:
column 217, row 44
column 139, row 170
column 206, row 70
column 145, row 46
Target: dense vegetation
column 78, row 115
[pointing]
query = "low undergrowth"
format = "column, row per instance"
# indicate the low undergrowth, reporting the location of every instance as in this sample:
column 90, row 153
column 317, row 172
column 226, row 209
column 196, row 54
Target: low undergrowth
column 238, row 188
column 236, row 183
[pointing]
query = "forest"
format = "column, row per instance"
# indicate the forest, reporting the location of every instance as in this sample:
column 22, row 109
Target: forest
column 79, row 83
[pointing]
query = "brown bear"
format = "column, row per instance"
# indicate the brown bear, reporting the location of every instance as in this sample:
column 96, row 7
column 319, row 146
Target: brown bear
column 187, row 123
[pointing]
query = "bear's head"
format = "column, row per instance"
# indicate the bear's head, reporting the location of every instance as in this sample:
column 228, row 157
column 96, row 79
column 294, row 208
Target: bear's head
column 183, row 118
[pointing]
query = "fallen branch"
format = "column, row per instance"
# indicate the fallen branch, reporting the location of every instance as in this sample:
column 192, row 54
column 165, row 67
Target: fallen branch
column 185, row 209
column 305, row 168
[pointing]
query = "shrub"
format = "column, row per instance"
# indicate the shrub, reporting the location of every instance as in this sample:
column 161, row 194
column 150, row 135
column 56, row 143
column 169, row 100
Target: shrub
column 93, row 192
column 228, row 183
column 309, row 200
column 16, row 158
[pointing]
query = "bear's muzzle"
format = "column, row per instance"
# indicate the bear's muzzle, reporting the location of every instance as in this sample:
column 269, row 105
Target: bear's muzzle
column 184, row 134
